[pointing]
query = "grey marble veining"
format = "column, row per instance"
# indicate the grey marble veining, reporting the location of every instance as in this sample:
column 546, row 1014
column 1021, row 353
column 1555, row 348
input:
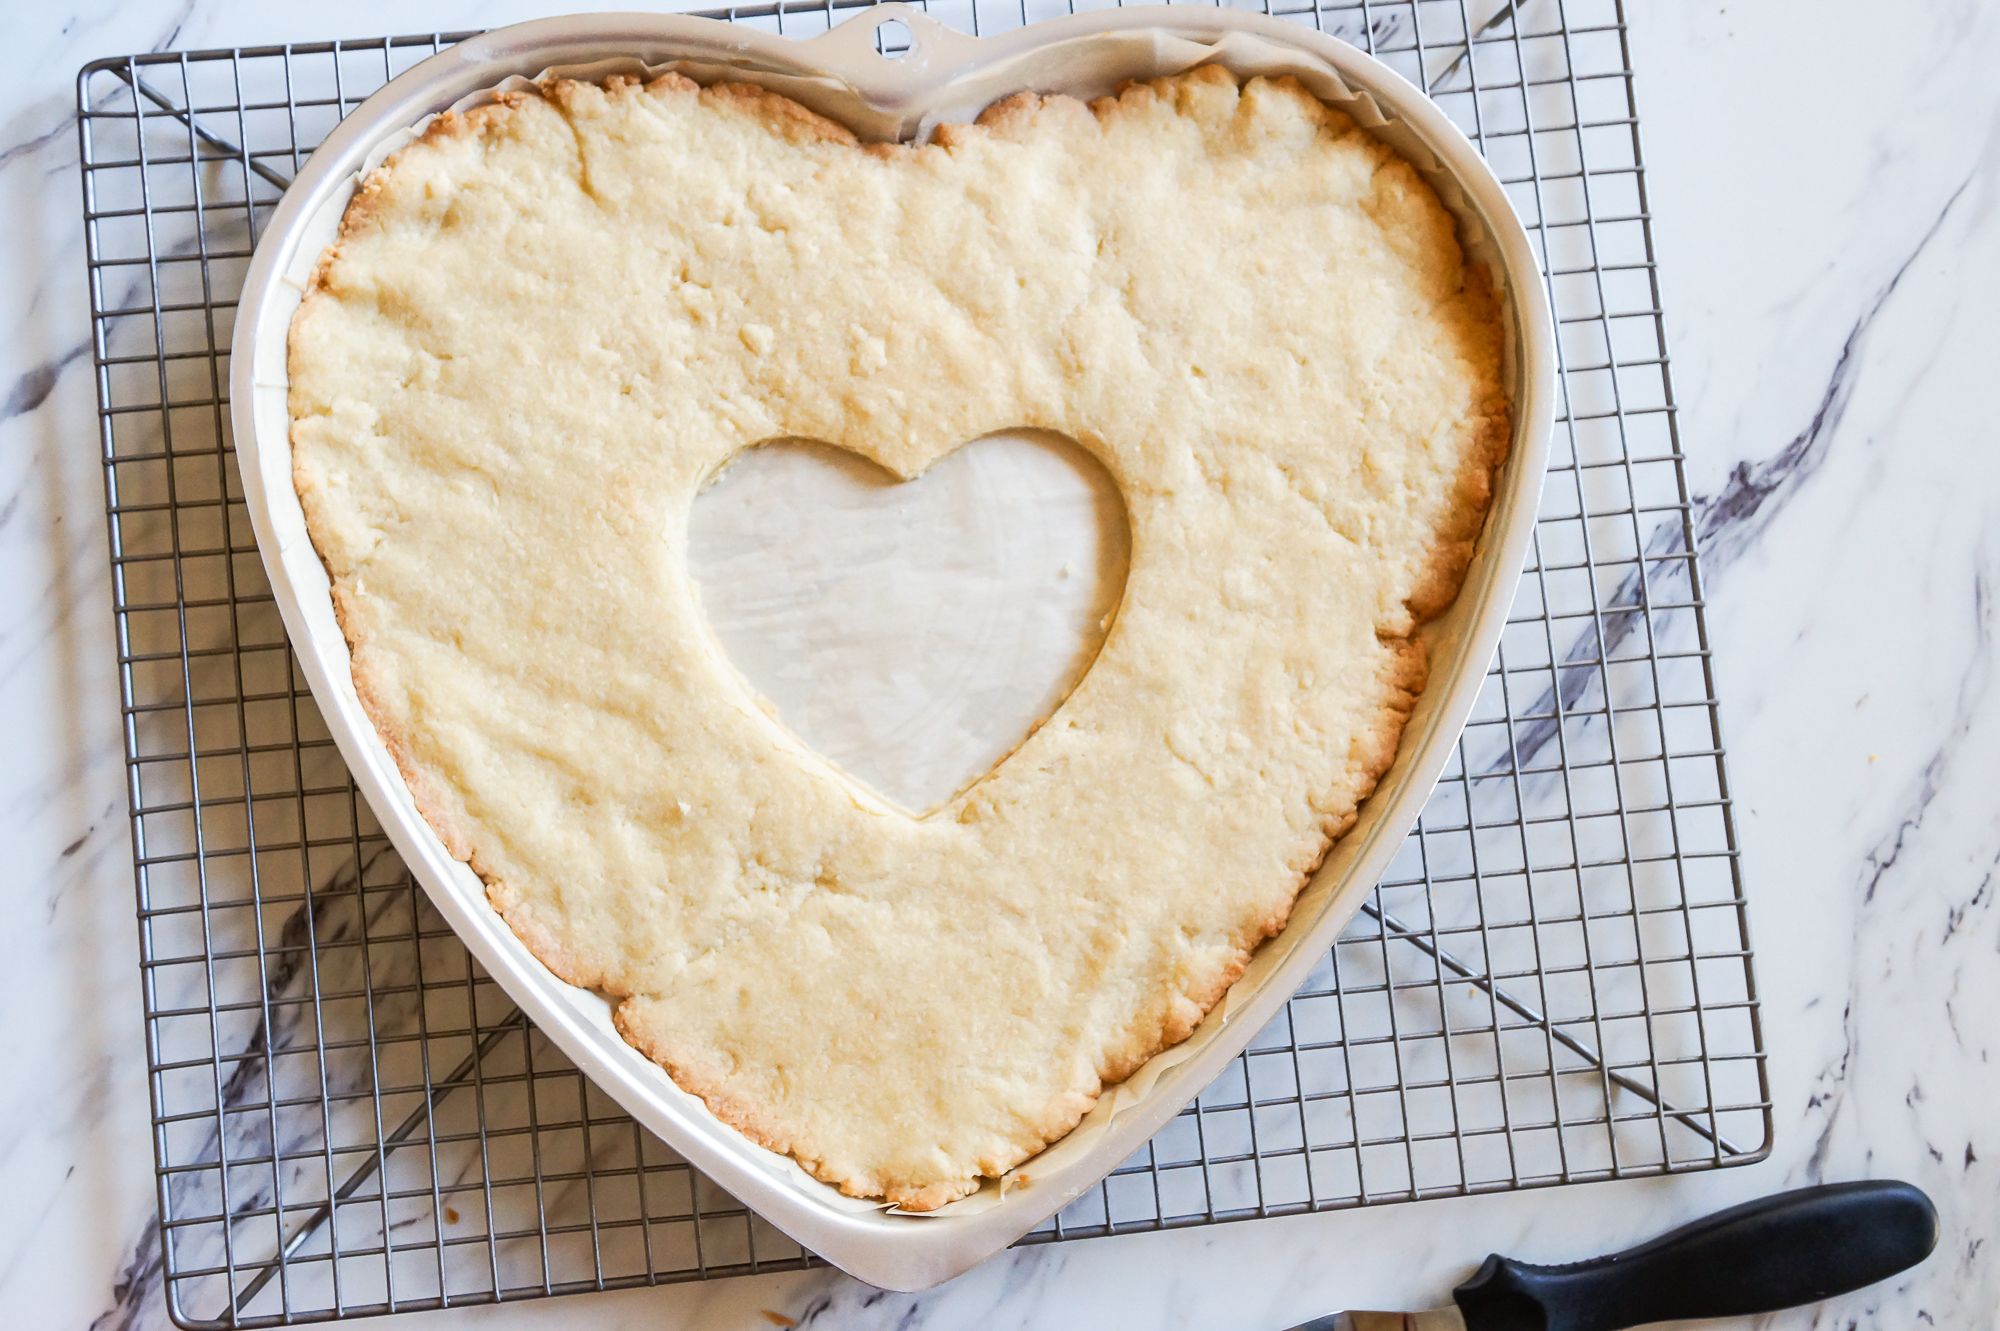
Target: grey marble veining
column 1822, row 183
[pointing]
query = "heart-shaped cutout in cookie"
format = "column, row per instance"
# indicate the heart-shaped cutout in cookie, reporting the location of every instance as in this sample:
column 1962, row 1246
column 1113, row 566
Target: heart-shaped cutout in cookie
column 547, row 323
column 913, row 632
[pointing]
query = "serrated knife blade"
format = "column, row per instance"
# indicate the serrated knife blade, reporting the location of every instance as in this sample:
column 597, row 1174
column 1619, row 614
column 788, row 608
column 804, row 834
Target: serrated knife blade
column 1431, row 1319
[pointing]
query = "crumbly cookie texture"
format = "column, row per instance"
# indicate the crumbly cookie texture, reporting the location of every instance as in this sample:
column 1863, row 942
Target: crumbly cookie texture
column 549, row 321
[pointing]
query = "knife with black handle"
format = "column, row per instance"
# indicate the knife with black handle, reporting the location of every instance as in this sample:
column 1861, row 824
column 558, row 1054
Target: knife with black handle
column 1776, row 1252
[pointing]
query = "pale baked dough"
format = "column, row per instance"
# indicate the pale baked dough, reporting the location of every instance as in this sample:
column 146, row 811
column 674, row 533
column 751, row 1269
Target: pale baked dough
column 549, row 321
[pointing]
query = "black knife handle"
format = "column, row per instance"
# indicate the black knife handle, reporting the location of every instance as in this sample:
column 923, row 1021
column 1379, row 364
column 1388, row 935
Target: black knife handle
column 1776, row 1252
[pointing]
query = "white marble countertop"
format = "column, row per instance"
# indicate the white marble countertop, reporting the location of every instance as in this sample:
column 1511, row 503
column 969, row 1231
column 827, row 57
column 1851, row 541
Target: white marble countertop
column 1825, row 185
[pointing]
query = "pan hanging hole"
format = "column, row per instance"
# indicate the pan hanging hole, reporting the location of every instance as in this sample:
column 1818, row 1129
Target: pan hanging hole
column 894, row 40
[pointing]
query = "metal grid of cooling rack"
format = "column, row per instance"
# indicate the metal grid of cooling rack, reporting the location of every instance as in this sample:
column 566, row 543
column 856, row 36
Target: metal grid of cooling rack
column 1553, row 984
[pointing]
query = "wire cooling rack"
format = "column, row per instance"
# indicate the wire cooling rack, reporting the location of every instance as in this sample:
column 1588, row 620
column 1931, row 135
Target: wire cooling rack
column 1552, row 985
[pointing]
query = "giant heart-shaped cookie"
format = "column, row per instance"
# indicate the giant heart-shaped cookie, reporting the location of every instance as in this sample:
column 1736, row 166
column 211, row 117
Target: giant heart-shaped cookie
column 550, row 320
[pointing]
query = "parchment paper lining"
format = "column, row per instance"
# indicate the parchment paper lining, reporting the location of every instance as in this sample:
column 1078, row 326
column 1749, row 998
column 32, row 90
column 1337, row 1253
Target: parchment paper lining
column 1088, row 66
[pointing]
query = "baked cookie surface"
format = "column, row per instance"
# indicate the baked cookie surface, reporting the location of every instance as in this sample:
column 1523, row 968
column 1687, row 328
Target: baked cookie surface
column 550, row 321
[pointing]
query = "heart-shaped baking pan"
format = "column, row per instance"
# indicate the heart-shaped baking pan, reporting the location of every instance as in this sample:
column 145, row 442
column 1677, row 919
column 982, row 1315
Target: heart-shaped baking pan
column 943, row 76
